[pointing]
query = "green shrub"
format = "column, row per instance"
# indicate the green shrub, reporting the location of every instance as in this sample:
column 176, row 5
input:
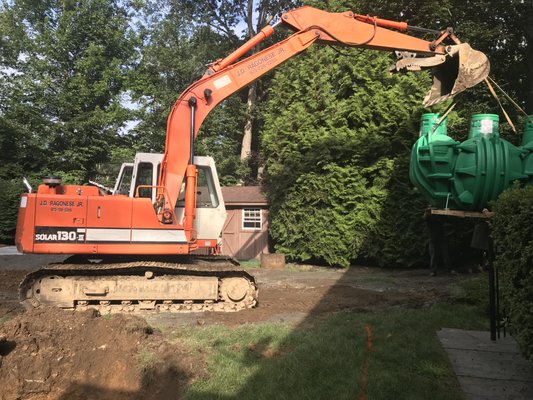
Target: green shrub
column 327, row 216
column 512, row 231
column 400, row 236
column 9, row 202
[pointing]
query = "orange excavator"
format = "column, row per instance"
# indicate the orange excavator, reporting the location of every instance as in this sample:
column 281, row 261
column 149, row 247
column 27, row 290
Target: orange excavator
column 135, row 247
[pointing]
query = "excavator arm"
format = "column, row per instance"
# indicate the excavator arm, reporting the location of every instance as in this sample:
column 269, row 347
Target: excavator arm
column 226, row 76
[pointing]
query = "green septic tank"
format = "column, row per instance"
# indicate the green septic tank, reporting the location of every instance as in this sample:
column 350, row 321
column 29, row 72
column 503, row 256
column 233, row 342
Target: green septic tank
column 432, row 161
column 467, row 175
column 485, row 166
column 527, row 147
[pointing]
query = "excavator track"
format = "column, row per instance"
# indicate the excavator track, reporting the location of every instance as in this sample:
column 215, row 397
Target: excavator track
column 194, row 284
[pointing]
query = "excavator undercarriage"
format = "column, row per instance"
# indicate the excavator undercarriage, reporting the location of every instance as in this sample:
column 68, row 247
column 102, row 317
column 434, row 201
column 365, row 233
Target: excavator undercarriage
column 121, row 285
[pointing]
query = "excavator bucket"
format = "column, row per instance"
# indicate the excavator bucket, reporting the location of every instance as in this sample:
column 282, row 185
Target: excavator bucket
column 460, row 68
column 463, row 68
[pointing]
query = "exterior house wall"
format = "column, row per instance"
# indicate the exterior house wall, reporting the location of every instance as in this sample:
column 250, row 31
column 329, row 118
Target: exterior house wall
column 244, row 243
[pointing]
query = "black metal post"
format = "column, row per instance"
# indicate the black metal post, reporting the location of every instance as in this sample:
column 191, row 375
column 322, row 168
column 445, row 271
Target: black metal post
column 492, row 292
column 192, row 104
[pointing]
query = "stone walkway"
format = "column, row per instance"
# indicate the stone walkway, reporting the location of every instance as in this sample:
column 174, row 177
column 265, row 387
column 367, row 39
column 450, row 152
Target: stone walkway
column 487, row 370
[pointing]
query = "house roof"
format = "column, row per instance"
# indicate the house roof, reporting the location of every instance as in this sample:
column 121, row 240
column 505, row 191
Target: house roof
column 243, row 195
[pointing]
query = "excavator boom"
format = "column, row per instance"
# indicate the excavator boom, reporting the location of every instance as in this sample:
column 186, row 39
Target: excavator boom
column 456, row 68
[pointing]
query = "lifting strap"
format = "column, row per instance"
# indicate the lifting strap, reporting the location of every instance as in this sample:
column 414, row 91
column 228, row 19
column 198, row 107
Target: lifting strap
column 518, row 108
column 501, row 106
column 449, row 110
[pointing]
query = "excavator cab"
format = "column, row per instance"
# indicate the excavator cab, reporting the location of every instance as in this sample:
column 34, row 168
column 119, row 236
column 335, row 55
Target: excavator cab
column 210, row 209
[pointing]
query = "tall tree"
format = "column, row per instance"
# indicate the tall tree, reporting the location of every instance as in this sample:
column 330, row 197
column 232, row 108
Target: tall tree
column 175, row 53
column 249, row 17
column 264, row 11
column 70, row 61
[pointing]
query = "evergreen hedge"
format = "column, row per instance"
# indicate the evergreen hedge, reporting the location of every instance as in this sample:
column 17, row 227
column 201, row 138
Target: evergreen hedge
column 512, row 232
column 338, row 133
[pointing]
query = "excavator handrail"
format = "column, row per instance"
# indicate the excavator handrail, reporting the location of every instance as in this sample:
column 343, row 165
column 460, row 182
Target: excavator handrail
column 148, row 187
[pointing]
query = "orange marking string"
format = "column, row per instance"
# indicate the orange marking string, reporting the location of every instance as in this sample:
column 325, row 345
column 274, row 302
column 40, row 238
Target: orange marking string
column 364, row 378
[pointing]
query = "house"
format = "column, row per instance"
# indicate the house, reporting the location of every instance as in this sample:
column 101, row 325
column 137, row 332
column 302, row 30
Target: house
column 245, row 233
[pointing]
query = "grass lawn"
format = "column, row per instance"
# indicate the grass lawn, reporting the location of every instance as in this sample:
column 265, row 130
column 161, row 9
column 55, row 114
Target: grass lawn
column 326, row 357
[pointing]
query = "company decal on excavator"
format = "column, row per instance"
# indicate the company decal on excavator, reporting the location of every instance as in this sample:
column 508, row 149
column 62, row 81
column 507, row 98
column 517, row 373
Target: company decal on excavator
column 53, row 234
column 61, row 205
column 262, row 63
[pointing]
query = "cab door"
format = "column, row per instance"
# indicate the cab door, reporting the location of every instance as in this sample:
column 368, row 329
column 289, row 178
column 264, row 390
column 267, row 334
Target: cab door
column 210, row 208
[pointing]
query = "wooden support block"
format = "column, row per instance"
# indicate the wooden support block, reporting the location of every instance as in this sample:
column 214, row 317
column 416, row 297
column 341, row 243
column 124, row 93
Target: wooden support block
column 463, row 214
column 273, row 261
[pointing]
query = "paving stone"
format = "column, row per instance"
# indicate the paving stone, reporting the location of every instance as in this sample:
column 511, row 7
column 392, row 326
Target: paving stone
column 479, row 388
column 488, row 370
column 476, row 340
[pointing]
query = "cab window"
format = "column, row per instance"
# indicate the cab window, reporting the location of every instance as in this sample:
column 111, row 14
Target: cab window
column 125, row 181
column 206, row 195
column 144, row 177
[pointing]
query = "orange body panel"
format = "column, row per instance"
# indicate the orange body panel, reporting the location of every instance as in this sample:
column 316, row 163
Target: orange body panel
column 143, row 215
column 110, row 211
column 25, row 223
column 96, row 224
column 59, row 210
column 108, row 248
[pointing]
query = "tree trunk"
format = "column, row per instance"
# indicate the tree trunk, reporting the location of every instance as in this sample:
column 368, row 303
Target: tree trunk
column 246, row 148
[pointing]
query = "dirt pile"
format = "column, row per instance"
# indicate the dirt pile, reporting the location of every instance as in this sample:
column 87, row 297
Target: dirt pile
column 53, row 354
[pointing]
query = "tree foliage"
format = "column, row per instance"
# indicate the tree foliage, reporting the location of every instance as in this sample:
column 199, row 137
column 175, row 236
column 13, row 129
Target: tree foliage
column 9, row 196
column 328, row 112
column 67, row 70
column 73, row 72
column 512, row 233
column 175, row 53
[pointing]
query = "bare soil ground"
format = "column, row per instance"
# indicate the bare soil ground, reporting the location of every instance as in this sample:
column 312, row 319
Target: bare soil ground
column 51, row 354
column 308, row 292
column 46, row 354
